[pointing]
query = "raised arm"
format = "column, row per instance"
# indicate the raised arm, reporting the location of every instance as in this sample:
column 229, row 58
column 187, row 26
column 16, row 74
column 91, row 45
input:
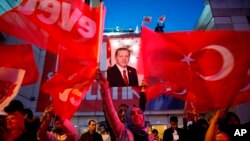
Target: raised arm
column 111, row 114
column 47, row 116
column 213, row 128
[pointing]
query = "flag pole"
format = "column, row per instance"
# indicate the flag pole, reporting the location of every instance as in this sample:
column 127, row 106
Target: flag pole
column 100, row 34
column 142, row 21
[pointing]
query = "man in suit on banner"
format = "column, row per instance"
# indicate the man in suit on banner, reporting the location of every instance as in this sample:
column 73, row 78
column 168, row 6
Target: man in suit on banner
column 121, row 74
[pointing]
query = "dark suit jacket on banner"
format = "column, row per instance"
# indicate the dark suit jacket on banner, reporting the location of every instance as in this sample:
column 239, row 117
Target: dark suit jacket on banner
column 115, row 78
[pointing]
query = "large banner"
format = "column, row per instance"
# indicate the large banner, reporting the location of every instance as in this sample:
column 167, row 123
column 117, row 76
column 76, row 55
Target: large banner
column 120, row 95
column 133, row 43
column 130, row 42
column 92, row 100
column 48, row 71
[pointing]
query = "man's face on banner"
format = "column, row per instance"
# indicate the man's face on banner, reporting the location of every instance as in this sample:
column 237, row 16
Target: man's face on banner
column 122, row 58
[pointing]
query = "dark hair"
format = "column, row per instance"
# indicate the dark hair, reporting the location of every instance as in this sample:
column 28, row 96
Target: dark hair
column 122, row 48
column 103, row 125
column 231, row 114
column 173, row 119
column 123, row 105
column 91, row 121
column 155, row 131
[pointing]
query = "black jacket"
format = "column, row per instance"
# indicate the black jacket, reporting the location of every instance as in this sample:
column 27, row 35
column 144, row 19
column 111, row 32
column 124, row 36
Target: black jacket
column 115, row 78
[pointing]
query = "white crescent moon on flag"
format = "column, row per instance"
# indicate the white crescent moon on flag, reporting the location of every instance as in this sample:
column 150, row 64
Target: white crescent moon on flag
column 228, row 63
column 184, row 91
column 247, row 87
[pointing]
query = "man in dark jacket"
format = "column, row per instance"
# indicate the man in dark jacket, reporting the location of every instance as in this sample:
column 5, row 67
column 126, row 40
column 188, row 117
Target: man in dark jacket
column 174, row 133
column 121, row 74
column 91, row 135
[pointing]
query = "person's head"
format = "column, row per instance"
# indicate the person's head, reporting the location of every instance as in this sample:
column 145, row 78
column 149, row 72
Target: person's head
column 155, row 132
column 92, row 126
column 174, row 122
column 15, row 115
column 59, row 127
column 122, row 112
column 102, row 128
column 232, row 119
column 202, row 124
column 15, row 120
column 135, row 117
column 122, row 57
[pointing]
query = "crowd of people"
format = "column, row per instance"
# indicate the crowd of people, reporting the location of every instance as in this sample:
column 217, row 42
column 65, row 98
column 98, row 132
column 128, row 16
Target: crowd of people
column 127, row 123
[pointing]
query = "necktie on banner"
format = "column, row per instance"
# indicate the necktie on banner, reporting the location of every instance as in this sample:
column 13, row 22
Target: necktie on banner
column 125, row 77
column 20, row 57
column 10, row 82
column 212, row 65
column 73, row 24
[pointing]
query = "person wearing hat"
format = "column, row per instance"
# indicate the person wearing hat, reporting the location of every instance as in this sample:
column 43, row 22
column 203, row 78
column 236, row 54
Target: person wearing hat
column 15, row 122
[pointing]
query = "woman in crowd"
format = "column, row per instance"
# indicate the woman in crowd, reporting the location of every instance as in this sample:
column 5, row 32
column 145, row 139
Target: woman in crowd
column 134, row 128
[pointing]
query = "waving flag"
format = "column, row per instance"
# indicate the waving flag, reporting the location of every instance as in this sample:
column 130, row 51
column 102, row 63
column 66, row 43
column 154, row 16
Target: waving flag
column 212, row 65
column 20, row 57
column 10, row 82
column 162, row 19
column 74, row 76
column 68, row 87
column 147, row 19
column 73, row 24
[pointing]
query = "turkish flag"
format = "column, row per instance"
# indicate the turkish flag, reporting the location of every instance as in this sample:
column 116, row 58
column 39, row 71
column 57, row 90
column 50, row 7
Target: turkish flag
column 73, row 77
column 212, row 65
column 147, row 19
column 20, row 57
column 162, row 19
column 73, row 24
column 10, row 82
column 69, row 85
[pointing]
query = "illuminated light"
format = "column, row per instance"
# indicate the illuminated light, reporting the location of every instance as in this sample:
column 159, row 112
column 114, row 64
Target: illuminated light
column 115, row 43
column 135, row 47
column 127, row 41
column 133, row 59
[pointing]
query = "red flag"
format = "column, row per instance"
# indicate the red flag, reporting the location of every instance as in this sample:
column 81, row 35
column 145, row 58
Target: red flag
column 10, row 82
column 212, row 65
column 20, row 57
column 147, row 19
column 73, row 78
column 69, row 85
column 162, row 19
column 73, row 24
